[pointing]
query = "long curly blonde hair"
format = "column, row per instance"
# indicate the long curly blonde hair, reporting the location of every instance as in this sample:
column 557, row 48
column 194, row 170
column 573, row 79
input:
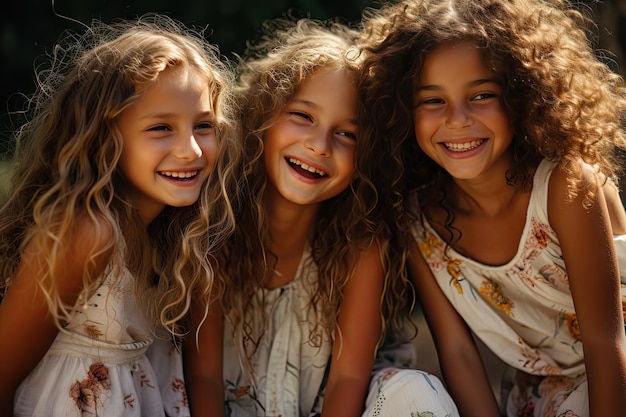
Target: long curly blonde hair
column 564, row 104
column 271, row 71
column 67, row 157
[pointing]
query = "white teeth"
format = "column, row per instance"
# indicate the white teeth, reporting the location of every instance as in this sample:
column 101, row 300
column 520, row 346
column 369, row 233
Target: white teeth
column 307, row 167
column 179, row 174
column 462, row 147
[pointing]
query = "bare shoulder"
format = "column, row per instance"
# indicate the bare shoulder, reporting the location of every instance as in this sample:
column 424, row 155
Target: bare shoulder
column 88, row 245
column 92, row 232
column 369, row 261
column 582, row 223
column 617, row 213
column 587, row 190
column 605, row 197
column 367, row 278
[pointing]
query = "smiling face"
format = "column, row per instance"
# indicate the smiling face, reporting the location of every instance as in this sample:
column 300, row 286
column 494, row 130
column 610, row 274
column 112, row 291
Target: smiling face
column 169, row 143
column 309, row 151
column 458, row 118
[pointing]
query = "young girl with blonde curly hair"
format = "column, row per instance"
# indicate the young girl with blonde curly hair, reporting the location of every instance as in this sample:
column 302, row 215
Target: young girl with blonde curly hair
column 499, row 132
column 116, row 200
column 309, row 293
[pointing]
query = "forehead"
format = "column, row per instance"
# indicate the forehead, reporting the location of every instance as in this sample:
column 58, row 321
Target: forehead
column 454, row 61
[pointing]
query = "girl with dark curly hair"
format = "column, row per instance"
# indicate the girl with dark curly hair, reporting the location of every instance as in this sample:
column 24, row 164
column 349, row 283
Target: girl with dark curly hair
column 500, row 134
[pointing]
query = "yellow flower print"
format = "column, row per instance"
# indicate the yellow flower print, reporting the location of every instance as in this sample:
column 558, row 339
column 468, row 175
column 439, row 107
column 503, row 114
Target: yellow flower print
column 455, row 273
column 491, row 291
column 426, row 247
column 572, row 324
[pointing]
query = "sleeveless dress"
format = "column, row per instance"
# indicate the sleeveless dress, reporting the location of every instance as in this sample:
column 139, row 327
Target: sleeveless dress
column 97, row 365
column 523, row 310
column 291, row 362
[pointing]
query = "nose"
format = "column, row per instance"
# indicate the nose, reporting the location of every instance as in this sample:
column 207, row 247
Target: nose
column 187, row 146
column 458, row 115
column 319, row 142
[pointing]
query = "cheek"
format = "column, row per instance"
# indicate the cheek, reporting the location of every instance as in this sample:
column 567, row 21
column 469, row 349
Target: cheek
column 418, row 123
column 210, row 150
column 423, row 127
column 128, row 159
column 348, row 164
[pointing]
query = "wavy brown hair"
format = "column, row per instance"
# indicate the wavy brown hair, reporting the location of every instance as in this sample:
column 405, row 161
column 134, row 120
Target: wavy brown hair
column 271, row 71
column 66, row 166
column 563, row 103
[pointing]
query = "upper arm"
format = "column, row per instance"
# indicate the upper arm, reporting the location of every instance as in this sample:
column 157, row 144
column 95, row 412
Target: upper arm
column 359, row 319
column 204, row 346
column 586, row 240
column 356, row 337
column 459, row 358
column 617, row 214
column 447, row 327
column 585, row 236
column 203, row 360
column 27, row 327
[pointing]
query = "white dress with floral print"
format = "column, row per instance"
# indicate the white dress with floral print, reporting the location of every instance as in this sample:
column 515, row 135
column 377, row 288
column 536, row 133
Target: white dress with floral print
column 290, row 366
column 97, row 366
column 523, row 311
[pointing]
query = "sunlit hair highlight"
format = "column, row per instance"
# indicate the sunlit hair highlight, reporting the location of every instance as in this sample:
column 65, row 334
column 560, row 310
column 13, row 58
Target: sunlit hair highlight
column 563, row 103
column 66, row 166
column 271, row 71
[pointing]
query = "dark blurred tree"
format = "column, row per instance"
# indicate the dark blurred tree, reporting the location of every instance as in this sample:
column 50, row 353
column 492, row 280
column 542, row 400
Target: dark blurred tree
column 29, row 29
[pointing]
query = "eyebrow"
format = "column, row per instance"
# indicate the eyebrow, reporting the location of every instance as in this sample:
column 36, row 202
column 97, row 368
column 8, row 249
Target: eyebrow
column 315, row 106
column 475, row 83
column 305, row 102
column 162, row 115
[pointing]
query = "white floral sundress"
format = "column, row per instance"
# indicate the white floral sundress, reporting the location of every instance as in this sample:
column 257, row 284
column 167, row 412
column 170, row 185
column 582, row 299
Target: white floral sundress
column 97, row 366
column 523, row 311
column 290, row 366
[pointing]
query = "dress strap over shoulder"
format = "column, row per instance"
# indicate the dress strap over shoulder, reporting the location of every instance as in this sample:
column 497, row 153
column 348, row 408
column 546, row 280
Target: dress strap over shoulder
column 539, row 196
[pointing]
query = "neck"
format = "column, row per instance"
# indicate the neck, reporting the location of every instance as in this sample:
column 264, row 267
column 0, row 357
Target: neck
column 488, row 194
column 290, row 225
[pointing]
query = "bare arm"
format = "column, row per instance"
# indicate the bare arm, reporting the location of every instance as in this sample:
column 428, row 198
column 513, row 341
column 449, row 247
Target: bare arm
column 204, row 363
column 355, row 346
column 459, row 358
column 617, row 213
column 591, row 265
column 27, row 328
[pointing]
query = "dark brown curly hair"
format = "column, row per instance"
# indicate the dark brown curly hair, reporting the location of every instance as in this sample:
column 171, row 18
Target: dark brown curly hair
column 563, row 103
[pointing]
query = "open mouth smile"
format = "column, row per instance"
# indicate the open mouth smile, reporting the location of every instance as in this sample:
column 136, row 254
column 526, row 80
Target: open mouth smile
column 305, row 170
column 179, row 175
column 463, row 147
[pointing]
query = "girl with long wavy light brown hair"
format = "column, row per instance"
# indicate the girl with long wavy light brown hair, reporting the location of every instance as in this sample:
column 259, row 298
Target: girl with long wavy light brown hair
column 116, row 202
column 309, row 292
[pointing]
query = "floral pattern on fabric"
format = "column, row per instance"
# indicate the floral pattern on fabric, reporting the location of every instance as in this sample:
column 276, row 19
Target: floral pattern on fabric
column 491, row 291
column 290, row 361
column 433, row 248
column 544, row 396
column 87, row 393
column 523, row 310
column 97, row 366
column 167, row 362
